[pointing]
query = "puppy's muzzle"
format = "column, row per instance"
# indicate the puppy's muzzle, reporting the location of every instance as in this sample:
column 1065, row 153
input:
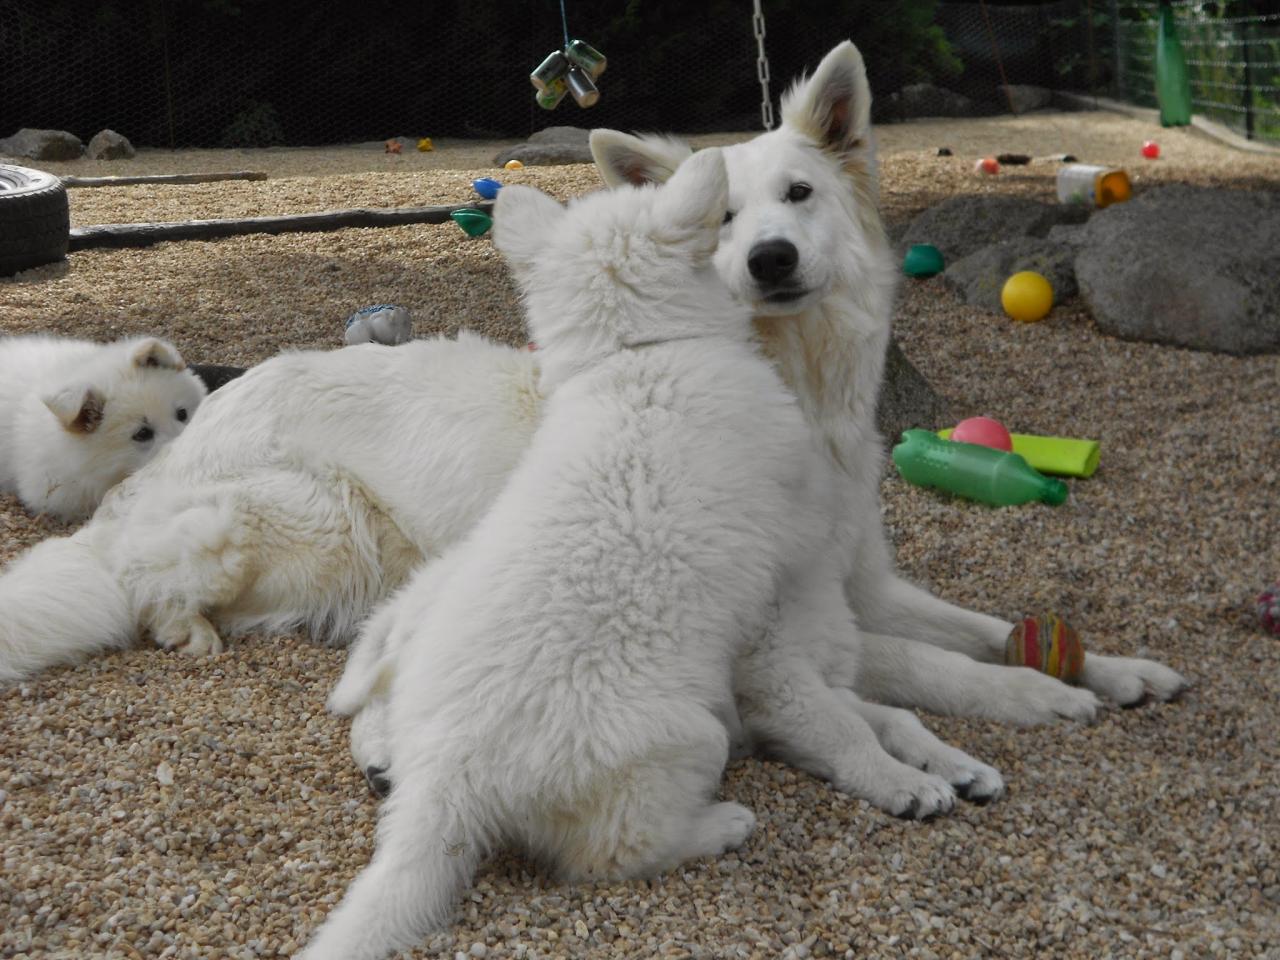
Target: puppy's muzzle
column 772, row 262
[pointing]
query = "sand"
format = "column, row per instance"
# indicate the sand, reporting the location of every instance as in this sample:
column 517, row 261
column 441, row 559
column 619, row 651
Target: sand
column 156, row 806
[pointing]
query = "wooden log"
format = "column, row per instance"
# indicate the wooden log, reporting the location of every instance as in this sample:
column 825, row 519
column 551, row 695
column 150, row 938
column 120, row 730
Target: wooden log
column 162, row 178
column 145, row 234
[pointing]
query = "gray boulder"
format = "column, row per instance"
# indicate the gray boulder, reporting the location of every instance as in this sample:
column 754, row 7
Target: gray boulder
column 561, row 135
column 1025, row 97
column 545, row 154
column 906, row 399
column 926, row 100
column 980, row 276
column 42, row 145
column 963, row 225
column 1190, row 266
column 109, row 145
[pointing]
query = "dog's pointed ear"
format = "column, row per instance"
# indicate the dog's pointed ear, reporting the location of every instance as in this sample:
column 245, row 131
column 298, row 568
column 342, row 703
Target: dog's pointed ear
column 697, row 195
column 78, row 408
column 523, row 218
column 154, row 352
column 833, row 106
column 624, row 159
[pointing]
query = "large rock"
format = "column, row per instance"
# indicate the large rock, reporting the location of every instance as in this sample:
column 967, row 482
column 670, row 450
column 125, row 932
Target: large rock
column 926, row 100
column 906, row 399
column 109, row 145
column 962, row 225
column 980, row 276
column 1024, row 97
column 561, row 135
column 42, row 145
column 545, row 154
column 1191, row 266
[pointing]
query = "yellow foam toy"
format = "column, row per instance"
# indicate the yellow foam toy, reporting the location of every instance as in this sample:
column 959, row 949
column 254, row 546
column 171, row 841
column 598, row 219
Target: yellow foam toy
column 1060, row 456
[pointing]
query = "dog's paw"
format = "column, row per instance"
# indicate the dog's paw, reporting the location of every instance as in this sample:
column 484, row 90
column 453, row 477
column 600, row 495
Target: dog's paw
column 729, row 824
column 1030, row 698
column 921, row 797
column 378, row 781
column 195, row 637
column 1129, row 681
column 971, row 779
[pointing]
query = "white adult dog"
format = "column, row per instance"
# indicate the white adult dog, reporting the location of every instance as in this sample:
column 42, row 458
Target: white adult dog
column 306, row 490
column 562, row 676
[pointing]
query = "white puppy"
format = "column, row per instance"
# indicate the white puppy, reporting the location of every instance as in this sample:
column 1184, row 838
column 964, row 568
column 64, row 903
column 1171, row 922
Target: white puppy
column 568, row 664
column 78, row 417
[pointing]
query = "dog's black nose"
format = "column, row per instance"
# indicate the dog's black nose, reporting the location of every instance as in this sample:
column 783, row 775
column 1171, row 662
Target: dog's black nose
column 379, row 782
column 773, row 261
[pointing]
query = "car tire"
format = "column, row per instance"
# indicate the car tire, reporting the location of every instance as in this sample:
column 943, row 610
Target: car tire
column 35, row 219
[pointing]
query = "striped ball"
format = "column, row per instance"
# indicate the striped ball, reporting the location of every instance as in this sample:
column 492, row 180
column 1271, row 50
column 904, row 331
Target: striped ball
column 1048, row 644
column 1269, row 608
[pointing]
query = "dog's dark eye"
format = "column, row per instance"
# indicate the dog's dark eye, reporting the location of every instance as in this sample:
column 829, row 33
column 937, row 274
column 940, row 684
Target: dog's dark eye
column 143, row 435
column 181, row 414
column 798, row 192
column 728, row 216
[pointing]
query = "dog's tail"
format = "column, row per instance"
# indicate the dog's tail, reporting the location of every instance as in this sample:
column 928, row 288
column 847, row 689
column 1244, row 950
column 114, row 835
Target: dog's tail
column 60, row 603
column 429, row 843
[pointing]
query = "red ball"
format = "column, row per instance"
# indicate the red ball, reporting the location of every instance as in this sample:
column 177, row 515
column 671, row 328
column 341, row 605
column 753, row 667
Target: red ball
column 987, row 165
column 1151, row 149
column 983, row 431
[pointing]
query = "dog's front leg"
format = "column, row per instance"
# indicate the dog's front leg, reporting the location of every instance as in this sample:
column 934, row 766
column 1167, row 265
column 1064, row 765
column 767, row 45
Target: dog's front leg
column 907, row 673
column 885, row 603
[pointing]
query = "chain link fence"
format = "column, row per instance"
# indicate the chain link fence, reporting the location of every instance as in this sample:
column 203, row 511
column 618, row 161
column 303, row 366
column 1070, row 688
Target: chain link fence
column 208, row 73
column 1233, row 60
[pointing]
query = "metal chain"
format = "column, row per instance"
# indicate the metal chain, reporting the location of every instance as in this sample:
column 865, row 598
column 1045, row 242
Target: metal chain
column 762, row 68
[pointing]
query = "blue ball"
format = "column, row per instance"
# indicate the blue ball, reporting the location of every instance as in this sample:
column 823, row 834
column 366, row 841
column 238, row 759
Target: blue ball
column 487, row 187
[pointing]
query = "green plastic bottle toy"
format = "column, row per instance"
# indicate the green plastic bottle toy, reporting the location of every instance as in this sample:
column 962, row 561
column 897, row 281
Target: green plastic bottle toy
column 1173, row 89
column 980, row 473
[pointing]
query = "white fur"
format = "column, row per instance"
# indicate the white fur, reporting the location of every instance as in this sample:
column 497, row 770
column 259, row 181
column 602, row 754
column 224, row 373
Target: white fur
column 829, row 346
column 306, row 490
column 566, row 666
column 70, row 411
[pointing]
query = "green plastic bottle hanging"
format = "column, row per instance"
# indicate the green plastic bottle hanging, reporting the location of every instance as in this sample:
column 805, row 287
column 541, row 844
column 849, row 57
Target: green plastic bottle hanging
column 1173, row 90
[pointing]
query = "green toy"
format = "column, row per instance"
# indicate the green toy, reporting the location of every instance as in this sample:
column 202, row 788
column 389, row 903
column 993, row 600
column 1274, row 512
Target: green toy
column 474, row 223
column 1173, row 89
column 1057, row 455
column 922, row 260
column 979, row 473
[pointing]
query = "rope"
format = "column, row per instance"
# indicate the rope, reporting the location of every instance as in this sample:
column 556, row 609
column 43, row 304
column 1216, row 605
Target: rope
column 564, row 20
column 1004, row 81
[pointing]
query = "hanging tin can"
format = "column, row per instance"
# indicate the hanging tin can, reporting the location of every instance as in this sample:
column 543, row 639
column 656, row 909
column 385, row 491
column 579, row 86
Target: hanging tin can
column 554, row 68
column 587, row 57
column 555, row 91
column 583, row 90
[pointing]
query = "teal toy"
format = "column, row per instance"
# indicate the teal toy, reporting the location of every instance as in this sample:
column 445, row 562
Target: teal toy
column 474, row 223
column 922, row 260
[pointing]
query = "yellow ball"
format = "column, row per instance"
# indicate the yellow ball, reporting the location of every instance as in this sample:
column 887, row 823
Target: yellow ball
column 513, row 164
column 1027, row 296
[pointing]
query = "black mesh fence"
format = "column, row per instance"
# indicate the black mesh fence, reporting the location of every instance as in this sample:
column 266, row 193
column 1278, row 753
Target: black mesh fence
column 1232, row 54
column 182, row 73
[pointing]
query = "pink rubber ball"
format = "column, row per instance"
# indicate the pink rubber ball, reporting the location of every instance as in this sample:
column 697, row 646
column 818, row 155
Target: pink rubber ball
column 983, row 431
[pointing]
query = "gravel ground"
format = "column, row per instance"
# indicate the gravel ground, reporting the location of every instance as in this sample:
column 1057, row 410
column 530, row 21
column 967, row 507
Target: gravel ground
column 154, row 806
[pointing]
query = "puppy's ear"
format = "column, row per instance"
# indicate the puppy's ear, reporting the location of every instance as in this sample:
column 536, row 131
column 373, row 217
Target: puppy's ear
column 697, row 196
column 153, row 352
column 522, row 220
column 832, row 107
column 623, row 159
column 78, row 408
